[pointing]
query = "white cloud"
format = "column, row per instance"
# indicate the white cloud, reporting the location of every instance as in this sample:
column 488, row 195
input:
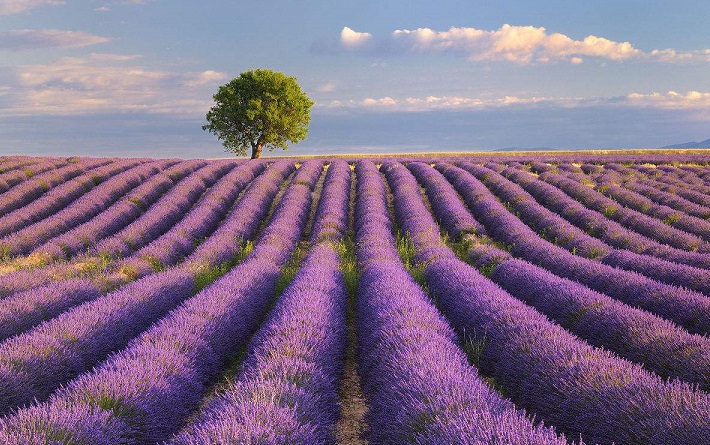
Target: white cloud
column 109, row 6
column 112, row 57
column 351, row 38
column 8, row 7
column 327, row 87
column 382, row 102
column 671, row 100
column 430, row 103
column 25, row 39
column 692, row 100
column 517, row 44
column 208, row 77
column 107, row 83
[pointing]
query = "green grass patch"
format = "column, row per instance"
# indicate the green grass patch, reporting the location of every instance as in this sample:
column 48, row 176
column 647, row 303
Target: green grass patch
column 292, row 266
column 207, row 275
column 474, row 346
column 59, row 435
column 96, row 179
column 575, row 317
column 671, row 219
column 140, row 204
column 348, row 265
column 407, row 252
column 460, row 247
column 406, row 248
column 609, row 211
column 155, row 263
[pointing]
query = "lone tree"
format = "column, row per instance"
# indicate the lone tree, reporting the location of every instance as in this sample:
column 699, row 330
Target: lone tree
column 260, row 108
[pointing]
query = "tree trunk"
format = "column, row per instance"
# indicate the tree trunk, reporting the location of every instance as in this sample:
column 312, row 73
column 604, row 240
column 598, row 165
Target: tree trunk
column 256, row 150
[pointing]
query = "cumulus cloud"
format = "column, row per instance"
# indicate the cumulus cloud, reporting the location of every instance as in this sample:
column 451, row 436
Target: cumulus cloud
column 107, row 83
column 8, row 7
column 520, row 44
column 517, row 44
column 25, row 39
column 352, row 38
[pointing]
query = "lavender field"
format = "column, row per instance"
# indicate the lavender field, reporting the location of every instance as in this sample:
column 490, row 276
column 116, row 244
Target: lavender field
column 529, row 299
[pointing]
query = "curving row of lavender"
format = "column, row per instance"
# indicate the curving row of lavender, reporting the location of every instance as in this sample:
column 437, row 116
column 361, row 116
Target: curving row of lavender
column 286, row 389
column 596, row 224
column 521, row 300
column 421, row 389
column 25, row 309
column 84, row 208
column 634, row 334
column 35, row 363
column 554, row 227
column 20, row 208
column 185, row 220
column 143, row 393
column 530, row 358
column 686, row 308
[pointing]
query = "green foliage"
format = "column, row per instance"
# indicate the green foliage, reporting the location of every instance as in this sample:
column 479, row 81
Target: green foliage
column 260, row 108
column 671, row 219
column 488, row 268
column 96, row 178
column 289, row 270
column 609, row 211
column 140, row 204
column 474, row 346
column 406, row 248
column 5, row 252
column 206, row 275
column 120, row 408
column 60, row 435
column 348, row 264
column 597, row 252
column 575, row 317
column 155, row 264
column 407, row 253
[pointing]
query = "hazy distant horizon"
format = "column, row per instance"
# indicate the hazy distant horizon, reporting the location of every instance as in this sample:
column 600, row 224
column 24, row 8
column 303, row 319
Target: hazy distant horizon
column 372, row 133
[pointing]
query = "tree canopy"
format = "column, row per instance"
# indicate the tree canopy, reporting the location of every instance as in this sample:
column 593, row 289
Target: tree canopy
column 260, row 108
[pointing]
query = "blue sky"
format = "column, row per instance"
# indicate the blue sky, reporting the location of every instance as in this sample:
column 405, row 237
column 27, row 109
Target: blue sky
column 135, row 77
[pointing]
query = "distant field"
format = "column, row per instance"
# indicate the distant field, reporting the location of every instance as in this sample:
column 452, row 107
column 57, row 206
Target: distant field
column 507, row 298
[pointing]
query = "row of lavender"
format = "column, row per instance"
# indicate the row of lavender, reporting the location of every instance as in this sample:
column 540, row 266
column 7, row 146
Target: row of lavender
column 39, row 360
column 330, row 222
column 97, row 417
column 280, row 397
